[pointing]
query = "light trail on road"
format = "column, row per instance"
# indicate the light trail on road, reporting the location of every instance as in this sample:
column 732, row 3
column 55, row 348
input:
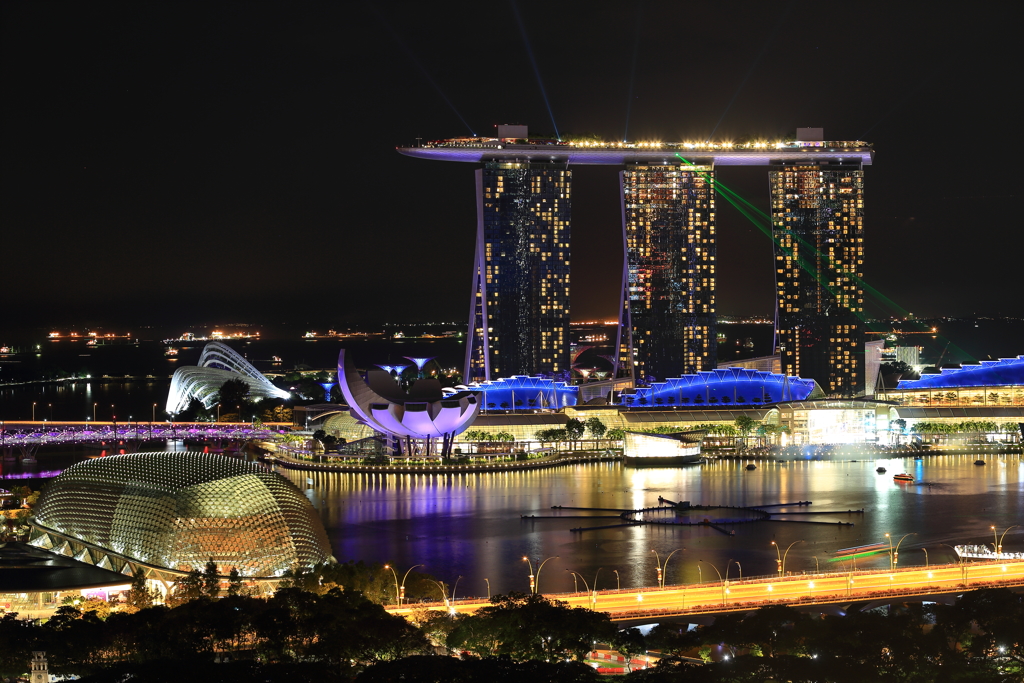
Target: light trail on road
column 805, row 589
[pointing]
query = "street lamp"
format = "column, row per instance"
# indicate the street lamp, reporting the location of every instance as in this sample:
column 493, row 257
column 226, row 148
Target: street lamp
column 535, row 579
column 488, row 588
column 618, row 586
column 925, row 550
column 781, row 557
column 94, row 411
column 724, row 582
column 663, row 568
column 894, row 555
column 33, row 411
column 400, row 589
column 727, row 569
column 999, row 543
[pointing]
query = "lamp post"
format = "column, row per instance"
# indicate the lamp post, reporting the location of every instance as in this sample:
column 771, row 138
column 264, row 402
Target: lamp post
column 663, row 568
column 999, row 543
column 486, row 580
column 618, row 586
column 33, row 411
column 925, row 551
column 575, row 583
column 94, row 411
column 535, row 579
column 727, row 569
column 781, row 557
column 724, row 582
column 400, row 588
column 894, row 554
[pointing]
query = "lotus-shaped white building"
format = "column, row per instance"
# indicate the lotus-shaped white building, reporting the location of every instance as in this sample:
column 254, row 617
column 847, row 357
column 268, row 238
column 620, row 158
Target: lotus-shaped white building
column 217, row 364
column 424, row 419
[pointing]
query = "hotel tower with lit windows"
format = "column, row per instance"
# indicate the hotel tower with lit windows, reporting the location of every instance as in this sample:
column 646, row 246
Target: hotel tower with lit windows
column 519, row 314
column 818, row 233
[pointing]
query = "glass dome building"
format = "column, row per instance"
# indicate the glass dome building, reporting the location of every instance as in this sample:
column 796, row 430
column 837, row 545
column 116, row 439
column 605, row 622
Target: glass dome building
column 173, row 512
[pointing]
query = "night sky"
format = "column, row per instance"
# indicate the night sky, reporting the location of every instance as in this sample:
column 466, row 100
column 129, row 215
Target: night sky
column 235, row 162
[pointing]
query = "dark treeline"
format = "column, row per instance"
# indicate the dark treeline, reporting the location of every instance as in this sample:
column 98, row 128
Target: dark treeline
column 340, row 635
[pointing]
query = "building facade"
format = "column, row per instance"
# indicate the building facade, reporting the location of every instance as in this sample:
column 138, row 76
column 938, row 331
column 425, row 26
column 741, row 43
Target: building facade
column 818, row 235
column 519, row 313
column 667, row 325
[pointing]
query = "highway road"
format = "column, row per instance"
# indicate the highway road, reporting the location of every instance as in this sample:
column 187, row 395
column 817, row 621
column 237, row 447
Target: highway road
column 804, row 589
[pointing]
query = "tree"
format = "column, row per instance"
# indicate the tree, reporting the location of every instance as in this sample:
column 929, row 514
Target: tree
column 233, row 392
column 616, row 434
column 139, row 595
column 630, row 642
column 524, row 627
column 235, row 584
column 187, row 588
column 744, row 425
column 596, row 428
column 574, row 429
column 211, row 579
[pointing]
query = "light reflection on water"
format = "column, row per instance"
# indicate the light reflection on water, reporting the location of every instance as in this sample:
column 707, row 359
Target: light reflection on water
column 469, row 524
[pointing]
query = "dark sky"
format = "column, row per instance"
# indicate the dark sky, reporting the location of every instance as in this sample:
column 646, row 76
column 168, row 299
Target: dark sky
column 231, row 162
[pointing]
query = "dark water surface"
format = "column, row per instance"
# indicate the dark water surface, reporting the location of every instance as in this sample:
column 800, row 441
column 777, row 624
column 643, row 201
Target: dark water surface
column 470, row 526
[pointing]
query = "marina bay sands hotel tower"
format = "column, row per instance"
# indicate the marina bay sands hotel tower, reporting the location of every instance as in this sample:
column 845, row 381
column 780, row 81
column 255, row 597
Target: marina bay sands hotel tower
column 519, row 314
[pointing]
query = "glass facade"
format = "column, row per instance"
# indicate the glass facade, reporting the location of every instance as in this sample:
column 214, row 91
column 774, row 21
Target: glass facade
column 818, row 232
column 668, row 316
column 179, row 510
column 519, row 317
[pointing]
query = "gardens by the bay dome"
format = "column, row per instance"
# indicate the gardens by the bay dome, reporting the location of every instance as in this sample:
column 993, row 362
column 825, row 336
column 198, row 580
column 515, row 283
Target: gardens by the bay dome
column 176, row 511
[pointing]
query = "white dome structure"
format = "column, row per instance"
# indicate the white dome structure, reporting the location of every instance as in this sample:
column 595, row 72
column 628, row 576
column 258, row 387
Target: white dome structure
column 217, row 364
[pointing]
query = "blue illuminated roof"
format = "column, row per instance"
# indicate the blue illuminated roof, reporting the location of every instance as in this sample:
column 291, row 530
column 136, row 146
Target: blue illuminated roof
column 987, row 373
column 737, row 386
column 521, row 392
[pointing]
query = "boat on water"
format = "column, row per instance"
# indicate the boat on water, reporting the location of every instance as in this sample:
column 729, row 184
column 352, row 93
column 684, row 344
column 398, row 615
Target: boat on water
column 979, row 462
column 983, row 552
column 751, row 466
column 861, row 549
column 880, row 470
column 902, row 477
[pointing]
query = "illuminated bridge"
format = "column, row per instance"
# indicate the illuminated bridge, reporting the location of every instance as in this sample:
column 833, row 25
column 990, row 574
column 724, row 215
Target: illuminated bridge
column 824, row 592
column 24, row 438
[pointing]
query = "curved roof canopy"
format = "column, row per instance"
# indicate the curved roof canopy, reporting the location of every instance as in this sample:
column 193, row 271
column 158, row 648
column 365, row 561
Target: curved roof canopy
column 987, row 373
column 177, row 510
column 217, row 364
column 737, row 386
column 521, row 392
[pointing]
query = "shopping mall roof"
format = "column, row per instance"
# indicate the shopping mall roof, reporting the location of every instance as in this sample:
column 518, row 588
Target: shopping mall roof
column 986, row 373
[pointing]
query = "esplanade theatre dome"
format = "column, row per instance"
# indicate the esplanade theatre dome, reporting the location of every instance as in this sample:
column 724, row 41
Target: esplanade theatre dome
column 177, row 511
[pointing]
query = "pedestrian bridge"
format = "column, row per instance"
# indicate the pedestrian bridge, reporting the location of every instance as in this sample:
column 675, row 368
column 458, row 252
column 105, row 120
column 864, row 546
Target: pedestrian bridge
column 22, row 439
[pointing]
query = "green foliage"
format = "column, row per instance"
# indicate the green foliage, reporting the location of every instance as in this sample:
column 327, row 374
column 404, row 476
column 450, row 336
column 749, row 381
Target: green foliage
column 574, row 429
column 187, row 588
column 233, row 392
column 596, row 428
column 616, row 434
column 139, row 595
column 524, row 627
column 211, row 580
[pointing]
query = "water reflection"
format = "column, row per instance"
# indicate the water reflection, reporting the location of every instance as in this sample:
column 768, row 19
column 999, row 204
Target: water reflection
column 471, row 525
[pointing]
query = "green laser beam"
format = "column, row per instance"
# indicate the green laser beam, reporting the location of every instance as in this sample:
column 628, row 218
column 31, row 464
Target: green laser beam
column 735, row 199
